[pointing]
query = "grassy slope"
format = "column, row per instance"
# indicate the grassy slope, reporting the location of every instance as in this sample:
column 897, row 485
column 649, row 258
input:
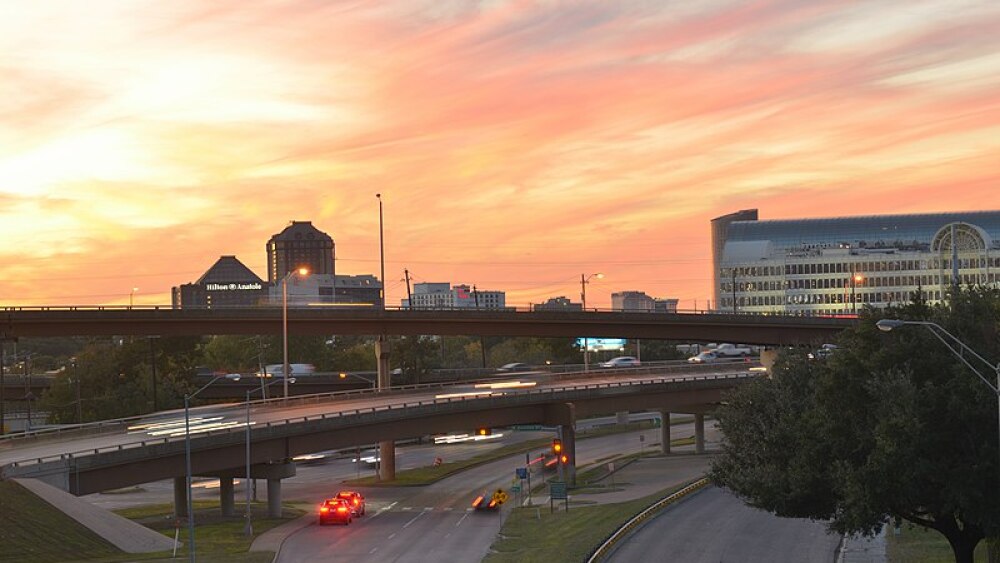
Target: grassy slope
column 922, row 545
column 534, row 535
column 33, row 530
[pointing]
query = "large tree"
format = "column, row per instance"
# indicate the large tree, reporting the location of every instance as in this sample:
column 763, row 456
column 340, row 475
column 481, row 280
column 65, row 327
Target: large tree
column 890, row 427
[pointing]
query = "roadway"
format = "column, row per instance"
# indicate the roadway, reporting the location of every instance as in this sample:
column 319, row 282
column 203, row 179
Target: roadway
column 435, row 523
column 232, row 417
column 714, row 526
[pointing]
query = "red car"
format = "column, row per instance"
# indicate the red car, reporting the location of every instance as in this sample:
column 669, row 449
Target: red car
column 356, row 501
column 336, row 510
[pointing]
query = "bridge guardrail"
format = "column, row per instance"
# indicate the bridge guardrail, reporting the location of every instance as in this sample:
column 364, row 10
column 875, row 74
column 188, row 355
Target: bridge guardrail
column 605, row 548
column 355, row 412
column 117, row 424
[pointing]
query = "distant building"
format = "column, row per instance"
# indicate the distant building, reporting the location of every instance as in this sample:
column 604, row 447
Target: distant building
column 561, row 303
column 363, row 290
column 228, row 283
column 639, row 301
column 299, row 245
column 444, row 296
column 840, row 265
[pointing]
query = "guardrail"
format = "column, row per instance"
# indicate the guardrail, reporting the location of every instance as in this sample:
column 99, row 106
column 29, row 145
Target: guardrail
column 117, row 424
column 479, row 402
column 605, row 548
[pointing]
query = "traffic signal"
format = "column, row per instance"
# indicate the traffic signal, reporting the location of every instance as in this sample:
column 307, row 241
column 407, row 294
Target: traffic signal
column 483, row 431
column 564, row 459
column 557, row 447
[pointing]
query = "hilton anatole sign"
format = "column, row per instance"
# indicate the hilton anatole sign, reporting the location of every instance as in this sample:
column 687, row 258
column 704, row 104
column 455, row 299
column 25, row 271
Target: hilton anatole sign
column 231, row 286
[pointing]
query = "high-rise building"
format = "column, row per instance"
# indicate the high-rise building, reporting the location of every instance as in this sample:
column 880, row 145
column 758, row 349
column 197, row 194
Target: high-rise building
column 445, row 296
column 299, row 245
column 720, row 230
column 839, row 265
column 228, row 283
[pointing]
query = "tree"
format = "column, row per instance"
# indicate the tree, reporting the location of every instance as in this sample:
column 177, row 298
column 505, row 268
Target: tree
column 890, row 427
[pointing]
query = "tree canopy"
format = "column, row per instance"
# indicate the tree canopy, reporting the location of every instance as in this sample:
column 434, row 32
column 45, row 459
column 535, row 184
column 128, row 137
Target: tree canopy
column 892, row 426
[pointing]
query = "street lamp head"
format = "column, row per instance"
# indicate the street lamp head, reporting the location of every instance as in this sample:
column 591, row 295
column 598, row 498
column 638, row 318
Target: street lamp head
column 886, row 325
column 599, row 276
column 303, row 271
column 379, row 196
column 343, row 375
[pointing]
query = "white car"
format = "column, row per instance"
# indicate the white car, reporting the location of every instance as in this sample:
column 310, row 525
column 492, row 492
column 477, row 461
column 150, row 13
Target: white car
column 704, row 358
column 621, row 362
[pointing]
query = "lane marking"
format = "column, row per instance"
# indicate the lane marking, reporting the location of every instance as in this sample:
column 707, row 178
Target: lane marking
column 426, row 508
column 462, row 519
column 407, row 525
column 392, row 535
column 374, row 549
column 384, row 510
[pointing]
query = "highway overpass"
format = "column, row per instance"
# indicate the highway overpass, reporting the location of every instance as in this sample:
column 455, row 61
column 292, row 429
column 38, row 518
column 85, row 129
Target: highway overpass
column 115, row 454
column 17, row 322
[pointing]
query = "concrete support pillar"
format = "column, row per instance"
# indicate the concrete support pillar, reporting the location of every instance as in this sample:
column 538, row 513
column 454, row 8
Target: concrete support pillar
column 180, row 497
column 274, row 498
column 621, row 418
column 386, row 449
column 699, row 433
column 387, row 463
column 226, row 497
column 383, row 349
column 665, row 431
column 568, row 434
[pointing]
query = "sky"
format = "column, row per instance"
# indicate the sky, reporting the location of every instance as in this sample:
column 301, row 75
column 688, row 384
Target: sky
column 516, row 144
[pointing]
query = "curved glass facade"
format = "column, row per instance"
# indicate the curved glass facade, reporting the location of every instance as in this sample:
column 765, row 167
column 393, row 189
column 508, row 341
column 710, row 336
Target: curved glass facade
column 871, row 229
column 839, row 265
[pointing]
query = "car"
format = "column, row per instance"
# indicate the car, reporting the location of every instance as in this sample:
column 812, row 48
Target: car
column 490, row 503
column 514, row 366
column 621, row 362
column 335, row 510
column 705, row 358
column 823, row 352
column 355, row 500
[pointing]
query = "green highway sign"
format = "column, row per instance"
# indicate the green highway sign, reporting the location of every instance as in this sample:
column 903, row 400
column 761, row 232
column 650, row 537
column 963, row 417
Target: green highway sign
column 557, row 490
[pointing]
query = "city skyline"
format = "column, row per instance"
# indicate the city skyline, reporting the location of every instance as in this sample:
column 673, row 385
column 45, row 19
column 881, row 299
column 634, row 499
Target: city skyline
column 515, row 145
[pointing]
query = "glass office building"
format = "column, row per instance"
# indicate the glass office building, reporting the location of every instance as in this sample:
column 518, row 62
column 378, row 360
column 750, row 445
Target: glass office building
column 840, row 265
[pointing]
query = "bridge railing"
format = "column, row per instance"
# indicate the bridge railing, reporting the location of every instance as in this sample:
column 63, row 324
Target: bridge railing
column 478, row 401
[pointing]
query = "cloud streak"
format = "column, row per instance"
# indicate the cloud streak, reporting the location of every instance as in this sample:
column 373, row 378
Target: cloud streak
column 516, row 143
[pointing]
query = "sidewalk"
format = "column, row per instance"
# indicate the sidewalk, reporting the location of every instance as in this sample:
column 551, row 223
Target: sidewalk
column 123, row 533
column 272, row 539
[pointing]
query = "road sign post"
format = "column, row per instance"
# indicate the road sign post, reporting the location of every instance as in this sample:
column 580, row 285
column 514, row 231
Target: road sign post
column 557, row 491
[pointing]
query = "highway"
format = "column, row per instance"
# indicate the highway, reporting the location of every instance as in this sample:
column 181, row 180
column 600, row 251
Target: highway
column 435, row 523
column 228, row 418
column 713, row 526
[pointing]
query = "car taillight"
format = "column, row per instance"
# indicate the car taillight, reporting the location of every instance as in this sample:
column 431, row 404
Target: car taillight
column 493, row 503
column 356, row 502
column 324, row 509
column 478, row 500
column 341, row 509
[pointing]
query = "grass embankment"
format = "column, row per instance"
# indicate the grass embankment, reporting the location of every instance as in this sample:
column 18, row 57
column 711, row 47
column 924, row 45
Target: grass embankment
column 33, row 530
column 218, row 538
column 428, row 475
column 921, row 545
column 534, row 535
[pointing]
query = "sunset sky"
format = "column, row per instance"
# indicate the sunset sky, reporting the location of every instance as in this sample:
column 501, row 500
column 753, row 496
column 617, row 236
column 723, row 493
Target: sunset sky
column 516, row 144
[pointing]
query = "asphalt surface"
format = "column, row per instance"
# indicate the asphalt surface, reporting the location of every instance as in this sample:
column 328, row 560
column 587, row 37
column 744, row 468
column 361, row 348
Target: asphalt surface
column 713, row 526
column 436, row 523
column 234, row 416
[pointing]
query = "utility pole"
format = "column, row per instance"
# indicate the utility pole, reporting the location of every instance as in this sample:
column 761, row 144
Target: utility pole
column 28, row 395
column 79, row 404
column 482, row 339
column 152, row 364
column 409, row 296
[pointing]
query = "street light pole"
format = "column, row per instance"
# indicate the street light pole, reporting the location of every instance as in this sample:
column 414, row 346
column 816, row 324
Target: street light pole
column 887, row 325
column 584, row 280
column 187, row 455
column 284, row 323
column 248, row 529
column 381, row 253
column 79, row 404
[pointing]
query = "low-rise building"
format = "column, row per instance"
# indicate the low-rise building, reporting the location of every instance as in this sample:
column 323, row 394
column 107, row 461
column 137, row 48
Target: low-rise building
column 445, row 296
column 228, row 283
